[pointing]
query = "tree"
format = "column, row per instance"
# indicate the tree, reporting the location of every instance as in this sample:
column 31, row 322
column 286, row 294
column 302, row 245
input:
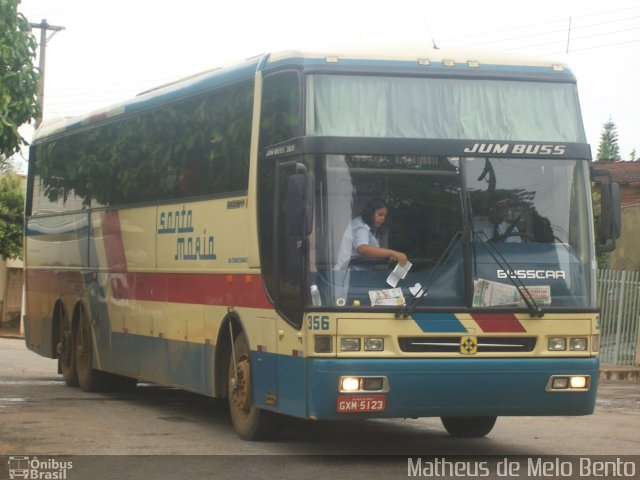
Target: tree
column 18, row 77
column 11, row 215
column 633, row 156
column 609, row 149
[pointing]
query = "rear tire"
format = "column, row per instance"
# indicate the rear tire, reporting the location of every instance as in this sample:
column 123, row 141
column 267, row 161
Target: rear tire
column 66, row 351
column 468, row 427
column 249, row 421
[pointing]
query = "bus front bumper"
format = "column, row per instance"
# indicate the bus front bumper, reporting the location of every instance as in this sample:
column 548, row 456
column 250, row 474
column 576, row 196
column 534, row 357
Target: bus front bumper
column 450, row 387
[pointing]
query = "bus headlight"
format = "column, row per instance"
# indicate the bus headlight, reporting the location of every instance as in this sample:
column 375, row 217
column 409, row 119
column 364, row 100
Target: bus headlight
column 557, row 344
column 374, row 344
column 363, row 384
column 349, row 384
column 568, row 383
column 578, row 382
column 578, row 344
column 349, row 344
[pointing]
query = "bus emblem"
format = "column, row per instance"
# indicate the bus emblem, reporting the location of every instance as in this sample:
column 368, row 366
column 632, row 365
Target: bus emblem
column 469, row 345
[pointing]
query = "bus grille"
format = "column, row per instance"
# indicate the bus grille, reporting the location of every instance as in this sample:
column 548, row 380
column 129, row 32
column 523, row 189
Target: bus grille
column 452, row 344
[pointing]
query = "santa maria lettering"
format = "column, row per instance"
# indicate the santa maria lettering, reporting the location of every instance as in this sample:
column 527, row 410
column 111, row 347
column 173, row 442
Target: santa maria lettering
column 189, row 246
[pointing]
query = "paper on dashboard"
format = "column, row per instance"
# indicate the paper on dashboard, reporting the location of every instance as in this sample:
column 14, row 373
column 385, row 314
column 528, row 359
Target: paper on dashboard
column 391, row 296
column 398, row 273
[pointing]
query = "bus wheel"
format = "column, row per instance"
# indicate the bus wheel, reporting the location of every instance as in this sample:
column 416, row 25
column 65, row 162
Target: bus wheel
column 90, row 380
column 66, row 353
column 250, row 422
column 468, row 426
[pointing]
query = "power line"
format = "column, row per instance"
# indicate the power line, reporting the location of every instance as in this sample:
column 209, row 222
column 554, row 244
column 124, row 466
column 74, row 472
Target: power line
column 594, row 47
column 562, row 40
column 573, row 28
column 551, row 22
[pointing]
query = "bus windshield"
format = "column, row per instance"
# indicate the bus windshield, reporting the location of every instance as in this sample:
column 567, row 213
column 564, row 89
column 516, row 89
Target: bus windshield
column 475, row 229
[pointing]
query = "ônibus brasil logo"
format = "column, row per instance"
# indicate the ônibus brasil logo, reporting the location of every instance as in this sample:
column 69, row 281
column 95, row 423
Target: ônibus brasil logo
column 36, row 469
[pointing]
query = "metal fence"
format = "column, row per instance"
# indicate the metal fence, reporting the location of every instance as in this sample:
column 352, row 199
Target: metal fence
column 619, row 299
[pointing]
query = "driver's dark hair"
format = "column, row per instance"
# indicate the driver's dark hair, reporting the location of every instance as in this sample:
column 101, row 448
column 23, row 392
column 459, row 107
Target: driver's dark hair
column 370, row 208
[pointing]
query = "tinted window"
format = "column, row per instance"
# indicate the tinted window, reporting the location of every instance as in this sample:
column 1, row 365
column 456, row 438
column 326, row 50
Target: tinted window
column 192, row 147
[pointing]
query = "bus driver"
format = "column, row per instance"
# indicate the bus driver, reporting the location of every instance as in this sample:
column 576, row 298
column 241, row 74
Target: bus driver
column 361, row 238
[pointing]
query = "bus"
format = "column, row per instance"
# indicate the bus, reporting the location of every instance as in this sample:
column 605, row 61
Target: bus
column 190, row 237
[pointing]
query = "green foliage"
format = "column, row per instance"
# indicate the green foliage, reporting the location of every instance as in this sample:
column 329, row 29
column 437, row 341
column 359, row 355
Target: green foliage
column 609, row 149
column 11, row 215
column 18, row 77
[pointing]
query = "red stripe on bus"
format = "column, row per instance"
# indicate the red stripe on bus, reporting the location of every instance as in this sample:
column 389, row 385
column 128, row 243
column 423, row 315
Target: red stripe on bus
column 194, row 289
column 113, row 245
column 501, row 322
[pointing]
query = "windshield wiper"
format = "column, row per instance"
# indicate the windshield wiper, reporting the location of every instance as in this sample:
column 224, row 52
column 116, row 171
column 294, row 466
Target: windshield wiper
column 535, row 310
column 406, row 310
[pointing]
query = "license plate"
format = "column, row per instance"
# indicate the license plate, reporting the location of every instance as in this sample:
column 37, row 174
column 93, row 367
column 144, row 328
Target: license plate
column 357, row 404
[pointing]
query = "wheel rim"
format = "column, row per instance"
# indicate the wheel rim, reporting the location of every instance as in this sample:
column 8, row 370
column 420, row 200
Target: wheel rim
column 240, row 386
column 64, row 347
column 83, row 348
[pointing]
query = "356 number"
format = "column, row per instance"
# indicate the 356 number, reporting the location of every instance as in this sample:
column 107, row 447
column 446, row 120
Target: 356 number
column 317, row 322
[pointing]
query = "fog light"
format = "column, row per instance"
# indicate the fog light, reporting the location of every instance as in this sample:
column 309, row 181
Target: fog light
column 568, row 383
column 349, row 384
column 557, row 344
column 560, row 383
column 349, row 344
column 374, row 344
column 322, row 344
column 374, row 383
column 578, row 382
column 578, row 344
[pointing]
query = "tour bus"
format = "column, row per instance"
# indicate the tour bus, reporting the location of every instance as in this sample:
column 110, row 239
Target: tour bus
column 191, row 236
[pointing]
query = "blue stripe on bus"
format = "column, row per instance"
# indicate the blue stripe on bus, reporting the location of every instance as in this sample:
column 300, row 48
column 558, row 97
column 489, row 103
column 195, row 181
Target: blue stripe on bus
column 439, row 322
column 308, row 388
column 191, row 366
column 170, row 362
column 457, row 387
column 436, row 65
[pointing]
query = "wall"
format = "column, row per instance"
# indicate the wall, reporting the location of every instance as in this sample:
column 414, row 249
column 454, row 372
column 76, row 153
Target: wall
column 626, row 256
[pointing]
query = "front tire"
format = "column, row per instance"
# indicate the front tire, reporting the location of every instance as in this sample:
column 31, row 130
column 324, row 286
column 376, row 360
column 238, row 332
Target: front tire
column 468, row 427
column 249, row 421
column 89, row 379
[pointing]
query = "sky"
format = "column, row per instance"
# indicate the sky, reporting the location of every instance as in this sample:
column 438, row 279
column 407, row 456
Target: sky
column 110, row 50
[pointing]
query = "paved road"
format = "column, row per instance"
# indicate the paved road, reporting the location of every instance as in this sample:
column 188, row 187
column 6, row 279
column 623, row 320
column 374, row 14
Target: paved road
column 39, row 415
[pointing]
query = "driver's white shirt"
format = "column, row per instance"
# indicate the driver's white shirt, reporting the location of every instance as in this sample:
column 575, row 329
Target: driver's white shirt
column 357, row 233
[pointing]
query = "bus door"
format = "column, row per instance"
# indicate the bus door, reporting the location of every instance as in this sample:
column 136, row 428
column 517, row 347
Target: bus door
column 293, row 191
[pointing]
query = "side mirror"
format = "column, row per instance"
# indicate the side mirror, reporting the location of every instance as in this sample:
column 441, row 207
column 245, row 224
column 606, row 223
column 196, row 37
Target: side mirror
column 610, row 212
column 300, row 204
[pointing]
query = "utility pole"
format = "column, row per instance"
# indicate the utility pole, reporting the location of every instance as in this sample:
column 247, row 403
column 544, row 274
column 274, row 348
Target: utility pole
column 44, row 28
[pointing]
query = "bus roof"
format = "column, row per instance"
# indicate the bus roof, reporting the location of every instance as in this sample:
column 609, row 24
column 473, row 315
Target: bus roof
column 423, row 59
column 414, row 54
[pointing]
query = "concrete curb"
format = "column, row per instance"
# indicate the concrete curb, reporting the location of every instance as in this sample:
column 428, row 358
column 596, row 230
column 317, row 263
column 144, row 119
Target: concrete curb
column 10, row 333
column 620, row 372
